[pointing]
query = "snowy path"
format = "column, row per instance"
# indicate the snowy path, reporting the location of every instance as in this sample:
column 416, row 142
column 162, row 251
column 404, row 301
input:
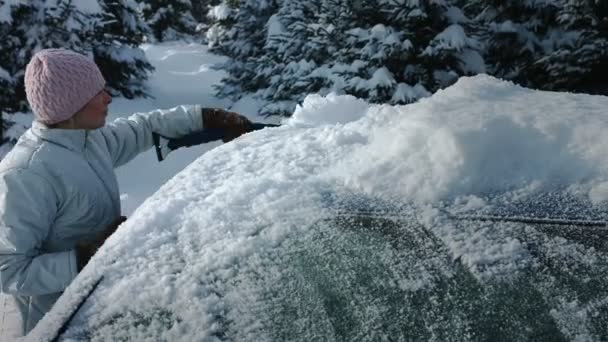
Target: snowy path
column 183, row 76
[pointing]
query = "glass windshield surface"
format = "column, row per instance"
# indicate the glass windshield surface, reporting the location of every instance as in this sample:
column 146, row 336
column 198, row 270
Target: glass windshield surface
column 362, row 277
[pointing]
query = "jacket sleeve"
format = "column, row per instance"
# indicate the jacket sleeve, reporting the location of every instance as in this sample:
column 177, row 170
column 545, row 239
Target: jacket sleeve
column 127, row 137
column 28, row 205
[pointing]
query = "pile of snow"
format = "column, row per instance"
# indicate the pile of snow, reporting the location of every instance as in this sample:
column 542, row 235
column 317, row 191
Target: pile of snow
column 479, row 136
column 242, row 199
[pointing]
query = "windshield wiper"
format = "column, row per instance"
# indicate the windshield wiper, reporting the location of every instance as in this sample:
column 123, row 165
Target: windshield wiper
column 530, row 220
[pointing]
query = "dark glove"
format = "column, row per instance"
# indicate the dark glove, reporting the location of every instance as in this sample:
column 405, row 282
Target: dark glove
column 86, row 250
column 234, row 124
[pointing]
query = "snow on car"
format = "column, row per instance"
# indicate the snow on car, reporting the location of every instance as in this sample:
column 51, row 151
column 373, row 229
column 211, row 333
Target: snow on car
column 476, row 214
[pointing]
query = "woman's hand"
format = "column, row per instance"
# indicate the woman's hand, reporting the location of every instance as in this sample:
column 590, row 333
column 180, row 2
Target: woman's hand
column 86, row 250
column 234, row 123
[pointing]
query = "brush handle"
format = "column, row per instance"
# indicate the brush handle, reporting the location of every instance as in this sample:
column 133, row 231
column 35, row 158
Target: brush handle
column 209, row 135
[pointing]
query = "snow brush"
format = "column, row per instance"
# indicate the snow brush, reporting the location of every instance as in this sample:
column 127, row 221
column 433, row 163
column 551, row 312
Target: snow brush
column 165, row 145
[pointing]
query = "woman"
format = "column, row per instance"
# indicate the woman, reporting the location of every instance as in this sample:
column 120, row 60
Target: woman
column 59, row 198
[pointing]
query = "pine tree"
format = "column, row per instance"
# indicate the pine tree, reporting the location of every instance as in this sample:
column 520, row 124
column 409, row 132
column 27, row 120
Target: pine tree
column 169, row 19
column 111, row 33
column 397, row 51
column 221, row 19
column 452, row 50
column 577, row 55
column 387, row 51
column 372, row 54
column 116, row 49
column 200, row 9
column 516, row 35
column 289, row 57
column 29, row 27
column 329, row 42
column 243, row 42
column 553, row 45
column 9, row 40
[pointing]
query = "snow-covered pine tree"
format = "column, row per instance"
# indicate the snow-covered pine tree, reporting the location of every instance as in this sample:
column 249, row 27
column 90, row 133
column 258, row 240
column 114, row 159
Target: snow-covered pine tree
column 169, row 19
column 360, row 51
column 516, row 35
column 28, row 27
column 576, row 52
column 451, row 51
column 397, row 51
column 289, row 57
column 109, row 30
column 243, row 42
column 329, row 45
column 372, row 54
column 9, row 41
column 36, row 25
column 221, row 17
column 115, row 44
column 200, row 9
column 388, row 51
column 7, row 81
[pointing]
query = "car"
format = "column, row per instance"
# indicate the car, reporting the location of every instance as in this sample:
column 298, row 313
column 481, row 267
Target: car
column 472, row 215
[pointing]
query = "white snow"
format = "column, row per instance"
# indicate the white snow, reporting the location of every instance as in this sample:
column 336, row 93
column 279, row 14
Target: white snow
column 19, row 122
column 455, row 15
column 315, row 109
column 404, row 93
column 473, row 62
column 274, row 27
column 85, row 6
column 453, row 37
column 480, row 136
column 379, row 32
column 505, row 26
column 4, row 75
column 5, row 13
column 88, row 6
column 220, row 12
column 381, row 78
column 124, row 53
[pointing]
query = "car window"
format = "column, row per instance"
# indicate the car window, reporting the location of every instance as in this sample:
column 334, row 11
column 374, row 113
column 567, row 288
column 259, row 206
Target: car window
column 365, row 277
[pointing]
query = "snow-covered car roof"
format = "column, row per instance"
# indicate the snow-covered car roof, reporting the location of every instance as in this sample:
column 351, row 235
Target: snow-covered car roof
column 474, row 214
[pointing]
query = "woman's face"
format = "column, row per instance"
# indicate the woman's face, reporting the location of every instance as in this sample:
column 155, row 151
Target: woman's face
column 93, row 114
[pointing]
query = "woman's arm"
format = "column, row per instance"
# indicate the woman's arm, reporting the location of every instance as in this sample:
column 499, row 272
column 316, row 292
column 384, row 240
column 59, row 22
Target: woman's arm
column 28, row 205
column 127, row 137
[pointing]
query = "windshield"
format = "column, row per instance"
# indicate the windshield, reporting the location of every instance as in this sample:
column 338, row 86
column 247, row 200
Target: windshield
column 366, row 277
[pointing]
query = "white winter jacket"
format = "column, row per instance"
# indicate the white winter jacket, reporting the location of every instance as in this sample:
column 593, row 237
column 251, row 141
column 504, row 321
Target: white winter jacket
column 58, row 187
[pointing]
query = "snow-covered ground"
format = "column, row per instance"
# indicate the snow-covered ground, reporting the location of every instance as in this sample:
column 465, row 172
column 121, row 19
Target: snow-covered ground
column 184, row 74
column 208, row 246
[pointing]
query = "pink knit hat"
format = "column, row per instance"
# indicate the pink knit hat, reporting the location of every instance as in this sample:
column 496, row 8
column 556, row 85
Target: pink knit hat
column 58, row 83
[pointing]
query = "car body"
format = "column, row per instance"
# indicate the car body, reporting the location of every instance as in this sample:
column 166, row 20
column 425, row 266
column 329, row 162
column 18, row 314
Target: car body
column 287, row 234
